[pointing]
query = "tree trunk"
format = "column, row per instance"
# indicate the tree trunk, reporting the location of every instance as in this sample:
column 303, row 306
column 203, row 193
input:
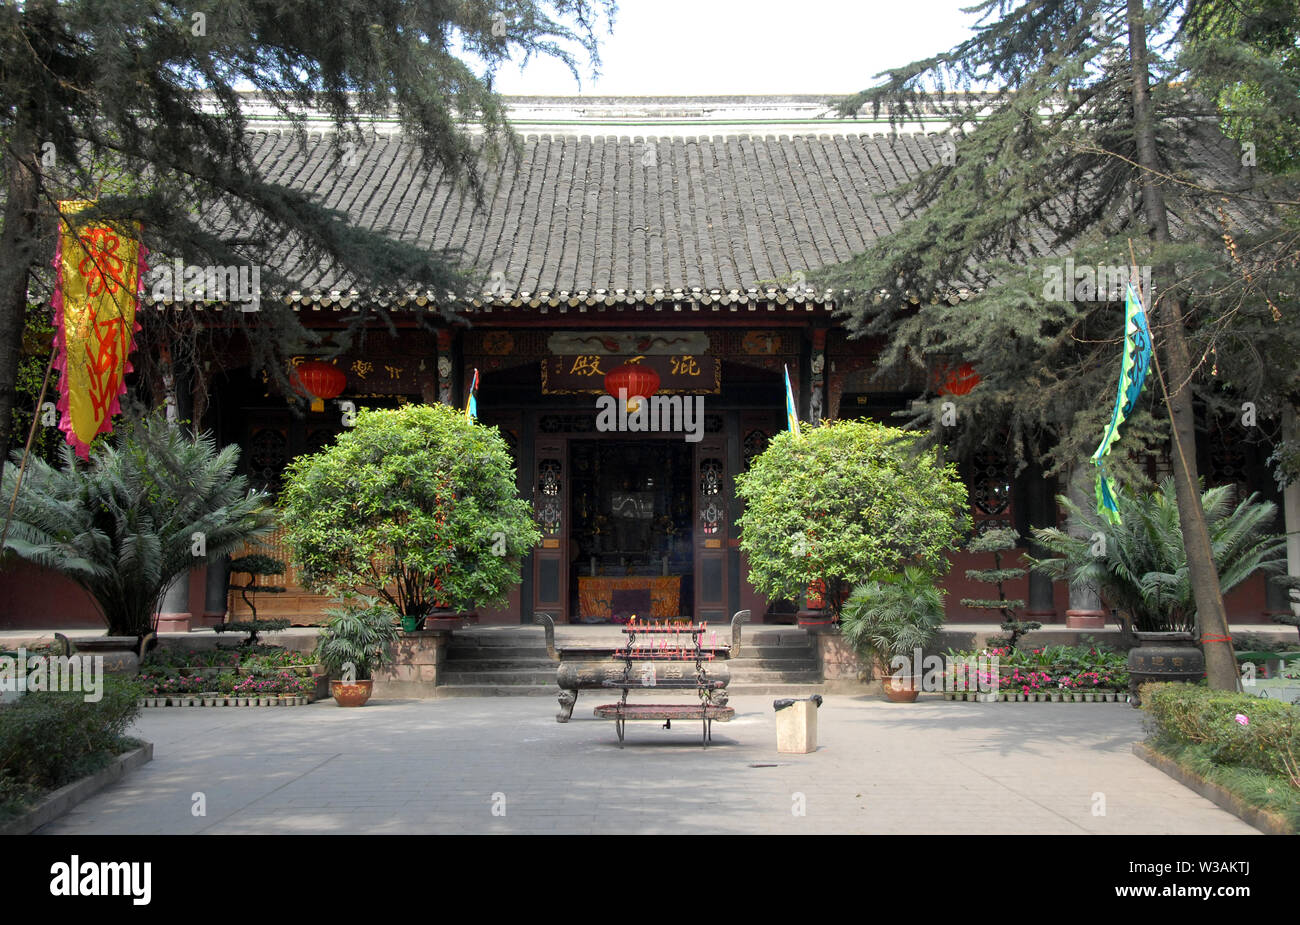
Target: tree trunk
column 1291, row 509
column 1211, row 617
column 17, row 244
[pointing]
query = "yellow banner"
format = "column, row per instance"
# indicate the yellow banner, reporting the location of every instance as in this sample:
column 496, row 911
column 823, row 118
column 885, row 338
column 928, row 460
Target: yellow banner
column 99, row 278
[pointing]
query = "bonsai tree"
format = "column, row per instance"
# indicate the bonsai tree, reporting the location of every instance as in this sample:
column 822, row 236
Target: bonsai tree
column 844, row 501
column 152, row 503
column 416, row 506
column 357, row 639
column 254, row 566
column 893, row 616
column 998, row 541
column 1139, row 566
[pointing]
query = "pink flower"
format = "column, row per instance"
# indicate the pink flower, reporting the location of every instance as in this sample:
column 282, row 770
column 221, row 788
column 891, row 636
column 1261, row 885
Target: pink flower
column 1243, row 719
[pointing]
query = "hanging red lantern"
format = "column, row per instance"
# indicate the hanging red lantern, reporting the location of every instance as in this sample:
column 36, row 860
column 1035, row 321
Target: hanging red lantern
column 635, row 380
column 960, row 381
column 319, row 381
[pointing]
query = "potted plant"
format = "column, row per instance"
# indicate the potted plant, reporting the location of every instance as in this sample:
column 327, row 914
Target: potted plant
column 888, row 620
column 843, row 501
column 1141, row 570
column 354, row 642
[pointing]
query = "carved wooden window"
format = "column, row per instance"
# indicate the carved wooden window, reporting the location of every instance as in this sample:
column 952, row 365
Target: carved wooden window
column 268, row 454
column 712, row 506
column 549, row 513
column 991, row 489
column 754, row 444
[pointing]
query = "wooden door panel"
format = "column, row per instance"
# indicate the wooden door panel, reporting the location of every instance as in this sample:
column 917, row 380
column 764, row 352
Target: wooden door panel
column 551, row 509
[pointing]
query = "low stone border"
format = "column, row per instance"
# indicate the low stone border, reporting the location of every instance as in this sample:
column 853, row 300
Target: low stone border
column 1269, row 823
column 65, row 798
column 156, row 702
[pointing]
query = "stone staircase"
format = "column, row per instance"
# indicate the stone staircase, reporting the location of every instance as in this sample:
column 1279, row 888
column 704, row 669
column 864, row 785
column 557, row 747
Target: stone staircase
column 777, row 660
column 512, row 661
column 497, row 661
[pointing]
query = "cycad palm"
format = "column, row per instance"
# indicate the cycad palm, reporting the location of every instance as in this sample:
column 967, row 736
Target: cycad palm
column 123, row 526
column 1142, row 569
column 893, row 615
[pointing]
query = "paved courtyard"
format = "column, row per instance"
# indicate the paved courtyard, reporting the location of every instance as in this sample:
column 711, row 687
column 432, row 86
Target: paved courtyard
column 446, row 766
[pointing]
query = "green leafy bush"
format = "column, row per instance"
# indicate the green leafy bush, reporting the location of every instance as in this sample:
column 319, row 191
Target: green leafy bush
column 417, row 506
column 1268, row 740
column 124, row 526
column 845, row 501
column 49, row 739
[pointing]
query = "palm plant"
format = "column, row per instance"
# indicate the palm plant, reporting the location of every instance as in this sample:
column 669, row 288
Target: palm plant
column 357, row 638
column 150, row 505
column 893, row 615
column 1139, row 566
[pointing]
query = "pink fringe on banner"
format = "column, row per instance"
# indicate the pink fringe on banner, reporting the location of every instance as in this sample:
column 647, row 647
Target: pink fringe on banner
column 61, row 351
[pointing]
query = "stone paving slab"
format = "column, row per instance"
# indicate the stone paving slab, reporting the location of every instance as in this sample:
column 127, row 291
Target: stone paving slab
column 441, row 766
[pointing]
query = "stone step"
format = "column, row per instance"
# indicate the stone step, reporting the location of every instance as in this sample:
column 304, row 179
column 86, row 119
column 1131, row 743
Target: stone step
column 497, row 690
column 775, row 690
column 811, row 676
column 525, row 678
column 773, row 664
column 471, row 651
column 542, row 690
column 523, row 636
column 499, row 664
column 748, row 651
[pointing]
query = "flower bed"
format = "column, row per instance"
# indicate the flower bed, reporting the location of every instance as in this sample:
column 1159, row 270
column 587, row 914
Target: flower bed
column 248, row 676
column 1052, row 674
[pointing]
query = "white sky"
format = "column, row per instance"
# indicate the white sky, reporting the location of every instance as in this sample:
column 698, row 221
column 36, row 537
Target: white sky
column 689, row 47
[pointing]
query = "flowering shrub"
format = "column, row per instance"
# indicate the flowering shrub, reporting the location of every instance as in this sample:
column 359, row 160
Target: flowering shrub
column 1050, row 669
column 266, row 672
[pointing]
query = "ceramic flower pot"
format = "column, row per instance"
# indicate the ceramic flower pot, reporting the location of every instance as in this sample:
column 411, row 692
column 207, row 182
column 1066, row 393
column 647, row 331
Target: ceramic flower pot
column 898, row 691
column 356, row 693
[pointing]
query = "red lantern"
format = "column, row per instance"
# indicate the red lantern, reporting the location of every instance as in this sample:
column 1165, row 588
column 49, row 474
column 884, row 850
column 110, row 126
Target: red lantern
column 635, row 380
column 319, row 381
column 960, row 381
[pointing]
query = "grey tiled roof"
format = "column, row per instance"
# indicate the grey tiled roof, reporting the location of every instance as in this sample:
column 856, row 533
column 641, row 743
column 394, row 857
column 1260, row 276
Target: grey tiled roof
column 576, row 220
column 625, row 219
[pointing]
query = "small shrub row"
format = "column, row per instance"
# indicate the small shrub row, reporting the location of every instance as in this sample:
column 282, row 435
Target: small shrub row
column 49, row 739
column 1230, row 729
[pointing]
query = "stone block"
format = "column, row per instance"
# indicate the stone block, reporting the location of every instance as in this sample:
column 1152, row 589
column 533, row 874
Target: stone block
column 796, row 728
